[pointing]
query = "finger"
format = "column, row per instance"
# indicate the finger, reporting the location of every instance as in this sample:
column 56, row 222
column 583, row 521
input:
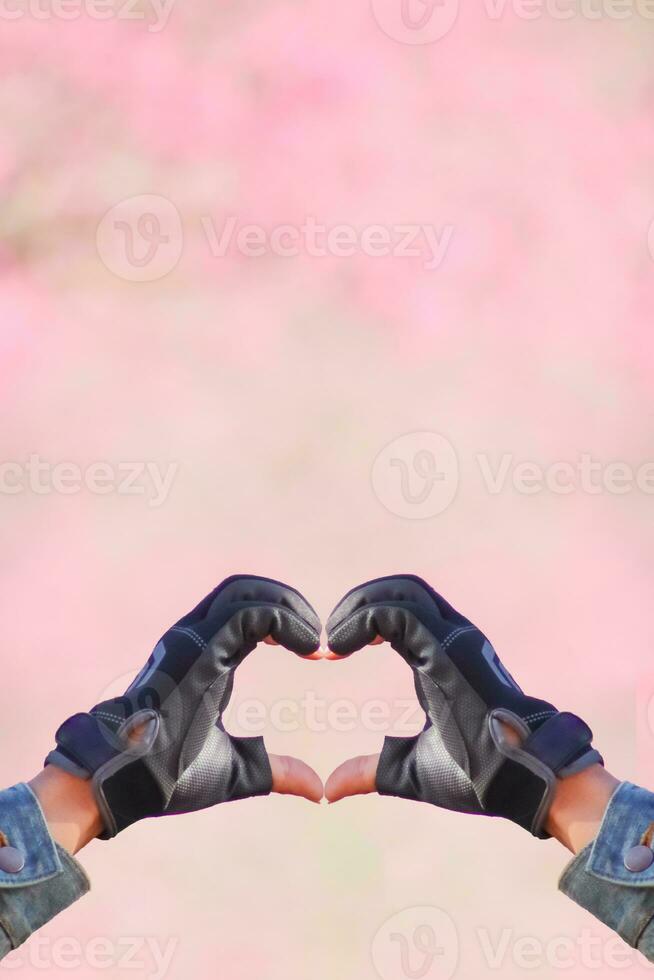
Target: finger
column 270, row 641
column 398, row 589
column 392, row 607
column 350, row 625
column 353, row 778
column 291, row 631
column 232, row 627
column 337, row 656
column 253, row 588
column 292, row 777
column 390, row 588
column 362, row 628
column 293, row 622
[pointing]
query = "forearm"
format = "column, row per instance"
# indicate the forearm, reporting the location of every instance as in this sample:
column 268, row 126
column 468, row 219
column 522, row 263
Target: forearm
column 579, row 805
column 69, row 806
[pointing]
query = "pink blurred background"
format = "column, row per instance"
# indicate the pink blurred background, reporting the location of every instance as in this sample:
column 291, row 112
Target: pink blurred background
column 271, row 384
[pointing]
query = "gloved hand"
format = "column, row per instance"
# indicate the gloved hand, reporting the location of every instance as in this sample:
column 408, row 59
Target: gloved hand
column 161, row 748
column 463, row 759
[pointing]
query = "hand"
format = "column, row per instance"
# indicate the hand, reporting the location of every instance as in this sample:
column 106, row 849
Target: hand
column 486, row 748
column 161, row 748
column 74, row 818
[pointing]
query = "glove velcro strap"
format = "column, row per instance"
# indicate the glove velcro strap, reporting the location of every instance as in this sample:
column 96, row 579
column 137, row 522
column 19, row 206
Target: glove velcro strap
column 561, row 741
column 524, row 786
column 126, row 791
column 86, row 742
column 252, row 775
column 396, row 771
column 517, row 792
column 124, row 787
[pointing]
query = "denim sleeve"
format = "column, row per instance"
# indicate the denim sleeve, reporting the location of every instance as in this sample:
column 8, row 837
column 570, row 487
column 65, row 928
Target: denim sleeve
column 50, row 879
column 599, row 880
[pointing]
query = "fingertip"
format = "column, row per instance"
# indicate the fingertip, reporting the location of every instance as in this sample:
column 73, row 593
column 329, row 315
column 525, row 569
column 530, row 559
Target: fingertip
column 332, row 655
column 333, row 786
column 293, row 777
column 317, row 655
column 354, row 777
column 313, row 787
column 295, row 634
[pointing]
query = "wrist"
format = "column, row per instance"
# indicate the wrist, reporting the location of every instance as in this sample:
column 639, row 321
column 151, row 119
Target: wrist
column 579, row 805
column 69, row 806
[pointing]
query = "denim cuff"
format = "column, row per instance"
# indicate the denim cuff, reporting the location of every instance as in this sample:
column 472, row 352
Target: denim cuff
column 598, row 878
column 51, row 878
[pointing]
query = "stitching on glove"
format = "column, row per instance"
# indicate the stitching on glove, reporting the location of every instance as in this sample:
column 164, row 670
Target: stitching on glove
column 451, row 637
column 192, row 632
column 108, row 717
column 538, row 715
column 199, row 642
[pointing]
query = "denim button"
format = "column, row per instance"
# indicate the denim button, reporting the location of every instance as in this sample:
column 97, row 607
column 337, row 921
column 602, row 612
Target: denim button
column 11, row 860
column 637, row 858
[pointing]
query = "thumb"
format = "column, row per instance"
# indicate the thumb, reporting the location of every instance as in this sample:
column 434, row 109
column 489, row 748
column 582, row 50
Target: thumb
column 353, row 778
column 295, row 778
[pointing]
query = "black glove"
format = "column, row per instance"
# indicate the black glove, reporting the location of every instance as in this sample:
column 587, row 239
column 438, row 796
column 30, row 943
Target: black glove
column 183, row 759
column 462, row 760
